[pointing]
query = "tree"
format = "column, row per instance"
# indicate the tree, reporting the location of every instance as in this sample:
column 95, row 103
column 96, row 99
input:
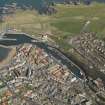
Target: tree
column 87, row 2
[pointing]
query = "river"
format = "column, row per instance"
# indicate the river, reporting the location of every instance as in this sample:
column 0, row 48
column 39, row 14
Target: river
column 63, row 58
column 22, row 38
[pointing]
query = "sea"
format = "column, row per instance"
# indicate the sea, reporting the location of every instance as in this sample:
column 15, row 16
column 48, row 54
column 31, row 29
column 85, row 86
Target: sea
column 34, row 3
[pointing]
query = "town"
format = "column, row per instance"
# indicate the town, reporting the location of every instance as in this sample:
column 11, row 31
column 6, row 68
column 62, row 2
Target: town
column 35, row 76
column 52, row 52
column 91, row 48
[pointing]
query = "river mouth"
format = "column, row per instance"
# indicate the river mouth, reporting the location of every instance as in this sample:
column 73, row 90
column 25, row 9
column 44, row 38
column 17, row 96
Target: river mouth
column 9, row 42
column 15, row 39
column 8, row 45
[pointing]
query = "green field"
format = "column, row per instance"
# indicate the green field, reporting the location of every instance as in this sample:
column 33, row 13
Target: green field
column 71, row 19
column 68, row 22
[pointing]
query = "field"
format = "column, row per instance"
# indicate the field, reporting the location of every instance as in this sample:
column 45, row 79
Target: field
column 68, row 22
column 73, row 18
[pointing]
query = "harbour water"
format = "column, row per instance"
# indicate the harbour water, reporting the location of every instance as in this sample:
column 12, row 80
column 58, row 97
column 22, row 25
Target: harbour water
column 4, row 52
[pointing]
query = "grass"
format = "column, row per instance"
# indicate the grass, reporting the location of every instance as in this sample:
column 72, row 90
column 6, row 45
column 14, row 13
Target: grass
column 72, row 19
column 26, row 21
column 68, row 22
